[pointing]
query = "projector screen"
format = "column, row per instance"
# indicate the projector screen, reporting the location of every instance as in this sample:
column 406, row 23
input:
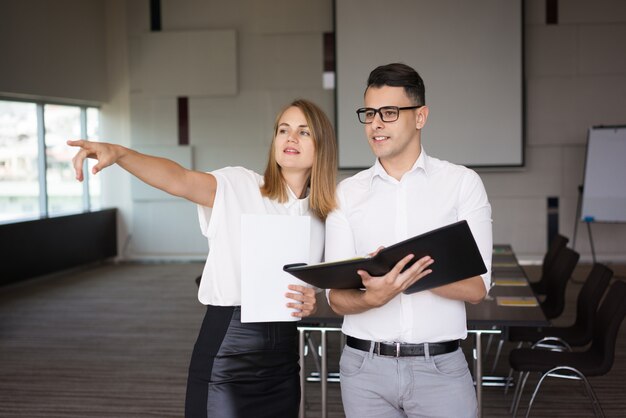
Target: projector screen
column 469, row 54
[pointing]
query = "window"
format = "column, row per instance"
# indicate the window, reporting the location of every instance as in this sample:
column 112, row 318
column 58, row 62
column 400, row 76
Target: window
column 65, row 194
column 36, row 174
column 19, row 171
column 93, row 134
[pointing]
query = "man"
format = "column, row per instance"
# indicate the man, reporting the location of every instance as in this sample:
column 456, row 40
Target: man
column 402, row 355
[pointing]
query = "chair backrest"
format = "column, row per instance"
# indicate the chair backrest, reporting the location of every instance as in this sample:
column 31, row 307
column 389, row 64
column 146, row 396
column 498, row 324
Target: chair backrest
column 606, row 325
column 556, row 245
column 589, row 299
column 557, row 278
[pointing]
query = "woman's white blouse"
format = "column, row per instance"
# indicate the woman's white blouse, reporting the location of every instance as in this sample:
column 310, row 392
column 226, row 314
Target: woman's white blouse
column 238, row 193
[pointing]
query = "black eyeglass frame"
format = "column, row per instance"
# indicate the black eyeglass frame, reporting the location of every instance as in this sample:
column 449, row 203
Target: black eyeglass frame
column 362, row 110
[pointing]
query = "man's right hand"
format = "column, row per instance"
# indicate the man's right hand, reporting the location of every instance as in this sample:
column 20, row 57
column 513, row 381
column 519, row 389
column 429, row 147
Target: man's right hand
column 380, row 290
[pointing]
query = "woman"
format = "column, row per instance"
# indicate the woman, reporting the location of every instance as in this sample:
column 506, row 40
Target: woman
column 244, row 369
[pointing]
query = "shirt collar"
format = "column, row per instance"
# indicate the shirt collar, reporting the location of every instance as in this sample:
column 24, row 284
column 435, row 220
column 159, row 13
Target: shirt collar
column 421, row 163
column 293, row 200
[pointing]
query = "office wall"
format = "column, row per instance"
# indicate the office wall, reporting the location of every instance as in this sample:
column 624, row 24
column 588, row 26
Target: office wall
column 575, row 78
column 278, row 56
column 115, row 119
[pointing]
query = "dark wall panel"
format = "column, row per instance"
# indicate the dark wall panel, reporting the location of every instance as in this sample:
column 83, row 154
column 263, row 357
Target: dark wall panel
column 43, row 246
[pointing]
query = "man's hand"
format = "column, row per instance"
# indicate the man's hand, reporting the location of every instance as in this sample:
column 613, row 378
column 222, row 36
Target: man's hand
column 304, row 296
column 380, row 290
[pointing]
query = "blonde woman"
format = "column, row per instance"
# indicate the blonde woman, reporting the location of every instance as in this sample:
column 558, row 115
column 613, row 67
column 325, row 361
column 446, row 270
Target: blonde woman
column 244, row 369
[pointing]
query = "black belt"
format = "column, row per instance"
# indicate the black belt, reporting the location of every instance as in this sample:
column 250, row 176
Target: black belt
column 403, row 349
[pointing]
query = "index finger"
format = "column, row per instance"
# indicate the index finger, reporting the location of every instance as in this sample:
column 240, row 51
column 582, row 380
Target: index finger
column 75, row 142
column 401, row 264
column 419, row 265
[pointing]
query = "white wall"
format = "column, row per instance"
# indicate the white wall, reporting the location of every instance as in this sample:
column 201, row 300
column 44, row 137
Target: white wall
column 115, row 118
column 575, row 78
column 278, row 57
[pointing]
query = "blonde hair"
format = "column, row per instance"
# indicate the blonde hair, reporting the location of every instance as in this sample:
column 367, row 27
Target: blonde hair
column 322, row 181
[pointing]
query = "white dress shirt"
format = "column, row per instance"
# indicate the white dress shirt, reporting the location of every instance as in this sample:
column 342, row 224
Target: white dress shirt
column 378, row 210
column 238, row 192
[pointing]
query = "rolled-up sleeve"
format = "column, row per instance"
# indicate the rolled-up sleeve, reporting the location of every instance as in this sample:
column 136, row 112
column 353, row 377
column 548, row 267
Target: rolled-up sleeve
column 475, row 208
column 339, row 237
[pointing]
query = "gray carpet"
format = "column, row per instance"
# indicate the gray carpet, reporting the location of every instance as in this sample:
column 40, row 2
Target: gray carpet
column 115, row 341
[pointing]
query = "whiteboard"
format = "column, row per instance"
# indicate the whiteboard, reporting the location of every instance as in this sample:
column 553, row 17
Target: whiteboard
column 604, row 189
column 469, row 54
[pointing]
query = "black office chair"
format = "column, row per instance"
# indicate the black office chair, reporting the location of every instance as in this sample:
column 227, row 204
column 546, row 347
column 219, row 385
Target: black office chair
column 580, row 332
column 597, row 360
column 557, row 277
column 556, row 245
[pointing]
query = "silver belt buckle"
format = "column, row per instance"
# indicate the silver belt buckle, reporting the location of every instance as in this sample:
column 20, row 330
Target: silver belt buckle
column 378, row 349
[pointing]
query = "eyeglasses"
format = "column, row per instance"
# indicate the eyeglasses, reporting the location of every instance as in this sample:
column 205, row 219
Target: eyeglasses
column 387, row 113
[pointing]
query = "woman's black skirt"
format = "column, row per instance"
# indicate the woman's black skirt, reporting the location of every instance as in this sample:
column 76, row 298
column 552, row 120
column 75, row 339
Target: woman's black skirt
column 243, row 370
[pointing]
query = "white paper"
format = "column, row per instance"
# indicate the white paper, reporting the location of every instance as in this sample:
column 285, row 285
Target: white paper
column 268, row 242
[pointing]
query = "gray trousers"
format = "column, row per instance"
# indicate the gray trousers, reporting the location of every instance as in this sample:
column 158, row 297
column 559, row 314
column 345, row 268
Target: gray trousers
column 422, row 386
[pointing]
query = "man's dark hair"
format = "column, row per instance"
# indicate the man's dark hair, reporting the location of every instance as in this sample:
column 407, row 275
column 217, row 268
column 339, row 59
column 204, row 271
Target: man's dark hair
column 399, row 75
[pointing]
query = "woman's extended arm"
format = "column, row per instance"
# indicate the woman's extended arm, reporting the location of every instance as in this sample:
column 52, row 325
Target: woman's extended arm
column 158, row 172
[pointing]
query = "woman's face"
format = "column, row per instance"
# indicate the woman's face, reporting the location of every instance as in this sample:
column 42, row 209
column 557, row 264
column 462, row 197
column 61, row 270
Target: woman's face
column 293, row 145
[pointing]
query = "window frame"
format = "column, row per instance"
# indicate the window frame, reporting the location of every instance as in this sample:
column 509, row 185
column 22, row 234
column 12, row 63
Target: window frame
column 41, row 154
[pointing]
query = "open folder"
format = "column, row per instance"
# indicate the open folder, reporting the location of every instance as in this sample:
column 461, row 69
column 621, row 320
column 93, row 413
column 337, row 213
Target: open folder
column 452, row 247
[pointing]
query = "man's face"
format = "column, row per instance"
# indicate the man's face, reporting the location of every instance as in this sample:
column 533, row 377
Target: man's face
column 393, row 140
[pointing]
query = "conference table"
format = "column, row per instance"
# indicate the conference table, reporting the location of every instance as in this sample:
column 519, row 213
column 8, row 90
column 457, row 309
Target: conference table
column 510, row 302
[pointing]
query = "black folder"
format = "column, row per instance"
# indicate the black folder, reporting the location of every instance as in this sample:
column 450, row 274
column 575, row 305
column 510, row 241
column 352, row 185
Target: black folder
column 452, row 247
